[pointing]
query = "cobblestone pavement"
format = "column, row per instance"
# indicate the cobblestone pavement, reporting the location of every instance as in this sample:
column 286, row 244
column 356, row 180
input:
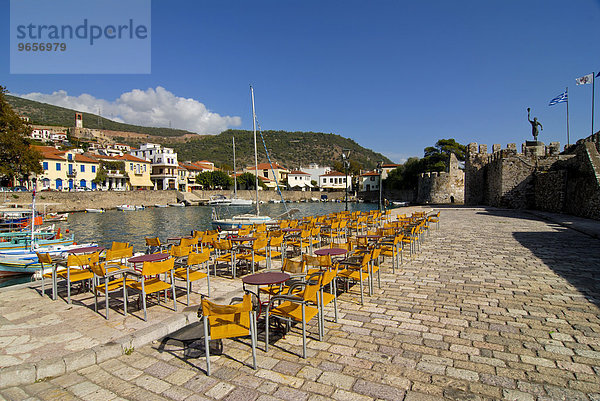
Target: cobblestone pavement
column 497, row 305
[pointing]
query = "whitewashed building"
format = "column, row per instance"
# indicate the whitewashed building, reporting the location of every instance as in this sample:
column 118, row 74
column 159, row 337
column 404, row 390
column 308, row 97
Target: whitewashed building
column 298, row 179
column 164, row 164
column 335, row 181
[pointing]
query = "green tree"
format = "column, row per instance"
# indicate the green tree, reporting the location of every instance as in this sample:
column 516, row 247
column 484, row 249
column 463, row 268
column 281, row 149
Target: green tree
column 220, row 179
column 17, row 158
column 436, row 158
column 204, row 179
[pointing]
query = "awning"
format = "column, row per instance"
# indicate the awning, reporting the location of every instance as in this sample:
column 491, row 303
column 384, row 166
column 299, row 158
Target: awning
column 139, row 180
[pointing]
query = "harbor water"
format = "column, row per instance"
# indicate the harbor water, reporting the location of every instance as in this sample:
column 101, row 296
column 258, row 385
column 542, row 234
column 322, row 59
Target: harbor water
column 135, row 226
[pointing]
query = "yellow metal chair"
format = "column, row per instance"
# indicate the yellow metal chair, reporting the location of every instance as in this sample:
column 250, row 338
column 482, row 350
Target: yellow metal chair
column 228, row 321
column 78, row 270
column 190, row 242
column 118, row 257
column 357, row 272
column 190, row 274
column 296, row 270
column 253, row 254
column 45, row 261
column 295, row 308
column 152, row 285
column 119, row 245
column 153, row 245
column 225, row 253
column 101, row 273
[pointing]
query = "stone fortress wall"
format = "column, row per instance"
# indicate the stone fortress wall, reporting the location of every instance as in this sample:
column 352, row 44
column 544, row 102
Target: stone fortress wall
column 442, row 187
column 538, row 177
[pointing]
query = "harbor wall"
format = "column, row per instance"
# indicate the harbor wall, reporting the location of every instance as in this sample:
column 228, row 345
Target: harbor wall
column 51, row 202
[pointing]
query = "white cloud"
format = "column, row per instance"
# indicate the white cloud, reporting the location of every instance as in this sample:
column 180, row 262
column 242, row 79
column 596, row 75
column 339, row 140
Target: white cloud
column 152, row 107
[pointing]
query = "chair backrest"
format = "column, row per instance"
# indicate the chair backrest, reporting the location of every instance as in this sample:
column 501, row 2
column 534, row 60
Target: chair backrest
column 83, row 260
column 317, row 261
column 276, row 241
column 260, row 244
column 179, row 251
column 189, row 241
column 375, row 253
column 284, row 223
column 44, row 258
column 152, row 241
column 98, row 269
column 223, row 245
column 119, row 245
column 261, row 228
column 228, row 321
column 154, row 268
column 196, row 258
column 119, row 254
column 244, row 231
column 311, row 288
column 329, row 275
column 293, row 266
column 347, row 246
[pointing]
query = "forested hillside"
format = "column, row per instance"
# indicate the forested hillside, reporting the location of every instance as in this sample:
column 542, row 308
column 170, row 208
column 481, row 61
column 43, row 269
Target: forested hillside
column 291, row 149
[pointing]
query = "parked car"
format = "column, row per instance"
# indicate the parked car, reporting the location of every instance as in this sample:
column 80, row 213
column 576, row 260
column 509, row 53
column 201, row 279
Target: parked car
column 19, row 188
column 82, row 189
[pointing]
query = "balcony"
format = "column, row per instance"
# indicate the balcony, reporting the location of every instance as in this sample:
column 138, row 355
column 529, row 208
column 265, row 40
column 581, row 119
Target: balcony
column 72, row 174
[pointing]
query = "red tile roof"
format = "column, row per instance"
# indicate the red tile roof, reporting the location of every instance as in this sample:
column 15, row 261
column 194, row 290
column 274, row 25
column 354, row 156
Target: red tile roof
column 333, row 174
column 298, row 172
column 267, row 166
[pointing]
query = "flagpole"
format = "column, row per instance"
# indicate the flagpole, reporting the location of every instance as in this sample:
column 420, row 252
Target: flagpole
column 593, row 87
column 567, row 92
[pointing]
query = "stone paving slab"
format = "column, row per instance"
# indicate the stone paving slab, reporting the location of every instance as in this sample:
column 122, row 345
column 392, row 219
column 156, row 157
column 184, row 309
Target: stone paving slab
column 497, row 305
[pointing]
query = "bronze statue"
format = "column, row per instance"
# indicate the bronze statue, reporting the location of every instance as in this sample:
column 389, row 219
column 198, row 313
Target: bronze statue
column 534, row 125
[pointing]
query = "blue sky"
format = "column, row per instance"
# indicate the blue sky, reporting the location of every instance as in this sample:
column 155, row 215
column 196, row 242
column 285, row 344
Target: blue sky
column 395, row 76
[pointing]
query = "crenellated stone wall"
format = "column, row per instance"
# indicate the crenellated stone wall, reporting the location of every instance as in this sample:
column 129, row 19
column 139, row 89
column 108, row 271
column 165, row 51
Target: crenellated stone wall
column 442, row 187
column 537, row 178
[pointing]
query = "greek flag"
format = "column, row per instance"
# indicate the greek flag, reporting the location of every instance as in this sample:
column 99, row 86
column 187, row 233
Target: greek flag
column 563, row 97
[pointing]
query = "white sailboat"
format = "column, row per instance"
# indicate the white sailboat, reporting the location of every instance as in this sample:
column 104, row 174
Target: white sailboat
column 246, row 219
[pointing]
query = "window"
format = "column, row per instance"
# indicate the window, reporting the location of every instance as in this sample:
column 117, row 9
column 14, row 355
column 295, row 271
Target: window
column 331, row 180
column 57, row 166
column 69, row 157
column 83, row 168
column 144, row 167
column 93, row 169
column 266, row 173
column 45, row 164
column 131, row 166
column 372, row 178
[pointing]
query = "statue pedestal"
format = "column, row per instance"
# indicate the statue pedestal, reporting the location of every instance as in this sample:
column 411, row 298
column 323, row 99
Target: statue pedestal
column 534, row 148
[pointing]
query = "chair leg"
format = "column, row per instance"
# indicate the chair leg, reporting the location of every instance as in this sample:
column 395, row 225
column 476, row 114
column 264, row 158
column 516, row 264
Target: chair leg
column 267, row 331
column 206, row 345
column 303, row 331
column 106, row 298
column 208, row 277
column 253, row 337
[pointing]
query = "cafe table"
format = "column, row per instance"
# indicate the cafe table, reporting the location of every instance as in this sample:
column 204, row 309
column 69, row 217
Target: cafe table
column 264, row 278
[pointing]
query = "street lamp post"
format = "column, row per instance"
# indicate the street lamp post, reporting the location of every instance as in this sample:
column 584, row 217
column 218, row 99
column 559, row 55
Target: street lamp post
column 345, row 157
column 380, row 170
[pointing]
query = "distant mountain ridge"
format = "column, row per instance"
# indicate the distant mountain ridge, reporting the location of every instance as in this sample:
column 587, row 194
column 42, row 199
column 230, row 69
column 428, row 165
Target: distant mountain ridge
column 291, row 149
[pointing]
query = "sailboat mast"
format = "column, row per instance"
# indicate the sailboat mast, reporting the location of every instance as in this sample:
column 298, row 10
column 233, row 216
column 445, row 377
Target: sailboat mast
column 234, row 170
column 255, row 150
column 33, row 215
